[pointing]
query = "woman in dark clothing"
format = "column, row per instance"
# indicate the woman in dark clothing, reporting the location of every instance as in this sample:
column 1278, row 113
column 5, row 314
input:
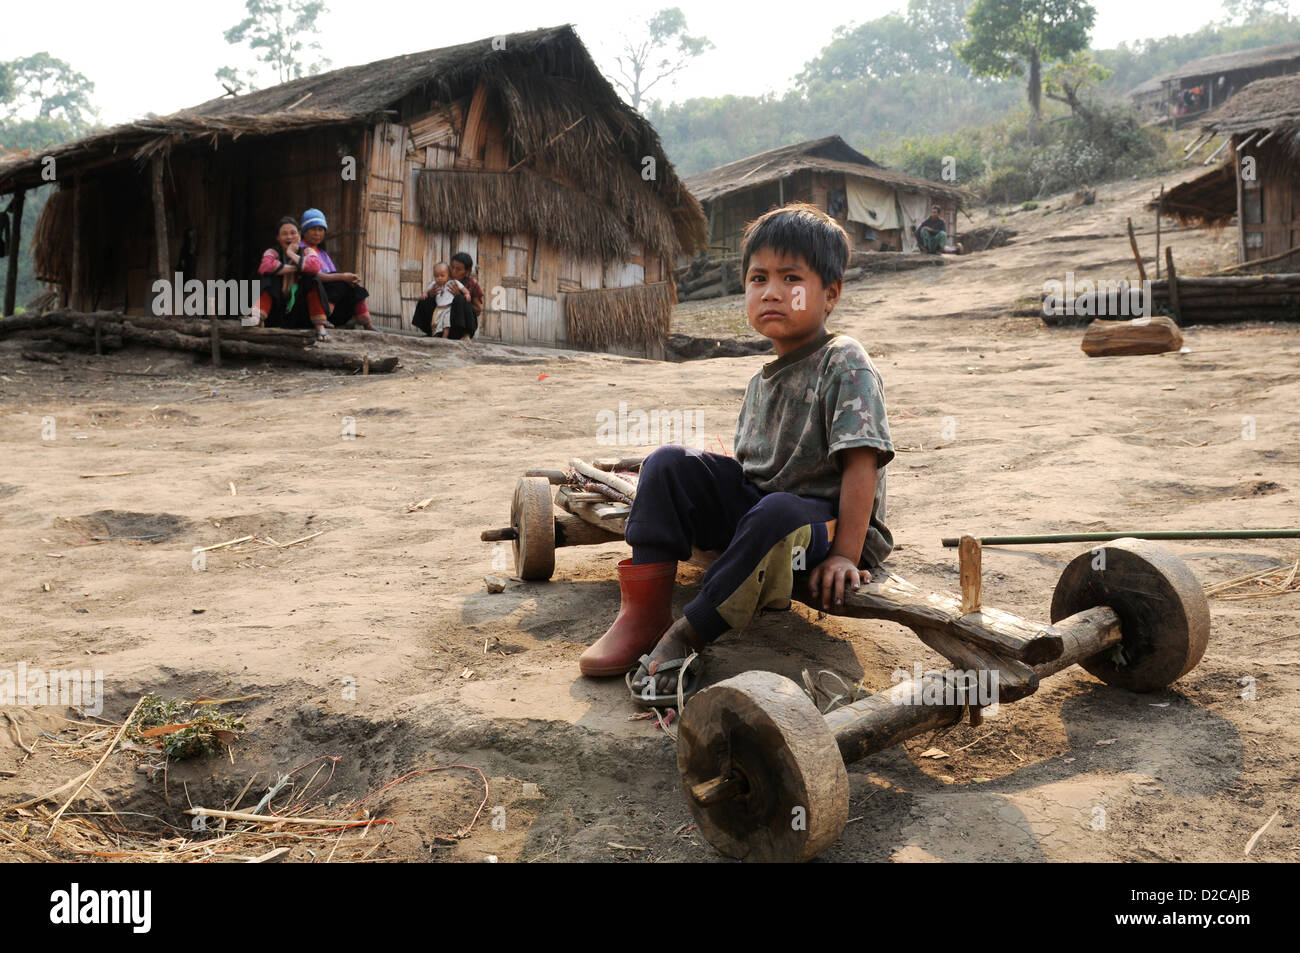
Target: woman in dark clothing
column 343, row 289
column 291, row 297
column 465, row 307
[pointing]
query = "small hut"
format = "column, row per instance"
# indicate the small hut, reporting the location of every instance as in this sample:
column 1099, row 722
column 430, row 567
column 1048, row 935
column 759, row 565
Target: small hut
column 1199, row 86
column 879, row 208
column 1259, row 181
column 514, row 149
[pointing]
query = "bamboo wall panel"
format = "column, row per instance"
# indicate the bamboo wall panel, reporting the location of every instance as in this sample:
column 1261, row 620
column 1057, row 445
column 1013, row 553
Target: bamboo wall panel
column 546, row 268
column 624, row 274
column 543, row 317
column 436, row 157
column 592, row 275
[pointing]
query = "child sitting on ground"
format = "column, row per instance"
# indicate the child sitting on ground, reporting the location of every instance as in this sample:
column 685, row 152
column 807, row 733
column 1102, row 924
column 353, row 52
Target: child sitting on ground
column 803, row 499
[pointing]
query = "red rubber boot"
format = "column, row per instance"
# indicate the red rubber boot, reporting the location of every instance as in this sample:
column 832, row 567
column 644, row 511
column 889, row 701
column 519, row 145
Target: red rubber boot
column 645, row 615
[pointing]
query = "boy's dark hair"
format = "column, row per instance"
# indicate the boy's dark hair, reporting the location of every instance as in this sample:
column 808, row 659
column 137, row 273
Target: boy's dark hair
column 800, row 229
column 464, row 258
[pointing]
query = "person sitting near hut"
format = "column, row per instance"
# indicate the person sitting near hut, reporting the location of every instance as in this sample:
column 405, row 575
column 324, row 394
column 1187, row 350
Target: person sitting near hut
column 343, row 289
column 466, row 304
column 290, row 297
column 932, row 234
column 443, row 290
column 802, row 500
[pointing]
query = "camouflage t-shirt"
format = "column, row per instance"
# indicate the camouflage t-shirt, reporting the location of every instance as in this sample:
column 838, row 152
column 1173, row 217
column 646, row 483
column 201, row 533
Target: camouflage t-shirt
column 800, row 411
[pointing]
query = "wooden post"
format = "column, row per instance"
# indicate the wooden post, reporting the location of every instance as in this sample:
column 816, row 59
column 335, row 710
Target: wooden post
column 1160, row 204
column 215, row 332
column 15, row 242
column 1137, row 256
column 1241, row 216
column 1173, row 283
column 968, row 556
column 162, row 250
column 74, row 281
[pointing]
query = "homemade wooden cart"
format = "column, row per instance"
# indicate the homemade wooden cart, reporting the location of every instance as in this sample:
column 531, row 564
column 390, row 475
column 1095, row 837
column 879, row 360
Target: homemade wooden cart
column 763, row 770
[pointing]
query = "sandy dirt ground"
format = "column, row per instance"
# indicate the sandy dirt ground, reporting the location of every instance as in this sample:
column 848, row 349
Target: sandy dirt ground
column 375, row 642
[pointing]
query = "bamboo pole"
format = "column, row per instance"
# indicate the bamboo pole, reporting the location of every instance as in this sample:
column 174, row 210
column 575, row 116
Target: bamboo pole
column 74, row 281
column 951, row 541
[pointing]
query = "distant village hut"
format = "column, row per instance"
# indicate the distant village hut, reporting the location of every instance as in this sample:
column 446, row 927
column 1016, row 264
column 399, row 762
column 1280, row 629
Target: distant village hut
column 1196, row 88
column 879, row 208
column 513, row 149
column 1259, row 180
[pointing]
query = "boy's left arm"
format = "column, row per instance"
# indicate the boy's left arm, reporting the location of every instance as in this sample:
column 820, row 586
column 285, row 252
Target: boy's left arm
column 857, row 496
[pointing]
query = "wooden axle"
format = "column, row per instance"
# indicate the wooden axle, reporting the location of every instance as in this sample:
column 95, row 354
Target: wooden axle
column 896, row 714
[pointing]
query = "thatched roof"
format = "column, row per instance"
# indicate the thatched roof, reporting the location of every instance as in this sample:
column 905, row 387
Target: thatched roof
column 1222, row 63
column 829, row 154
column 544, row 80
column 1209, row 199
column 1272, row 104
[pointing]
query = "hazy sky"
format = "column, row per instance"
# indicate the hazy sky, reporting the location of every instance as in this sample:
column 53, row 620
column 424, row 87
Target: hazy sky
column 154, row 56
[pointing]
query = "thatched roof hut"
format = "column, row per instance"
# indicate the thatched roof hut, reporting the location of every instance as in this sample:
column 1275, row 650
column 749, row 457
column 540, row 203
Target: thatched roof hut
column 1197, row 87
column 515, row 149
column 1259, row 181
column 878, row 207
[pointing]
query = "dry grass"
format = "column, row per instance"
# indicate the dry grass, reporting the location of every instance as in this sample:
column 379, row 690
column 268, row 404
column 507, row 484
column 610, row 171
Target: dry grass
column 633, row 316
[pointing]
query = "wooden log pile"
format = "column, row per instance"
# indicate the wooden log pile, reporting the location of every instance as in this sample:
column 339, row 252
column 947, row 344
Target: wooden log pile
column 110, row 330
column 1208, row 300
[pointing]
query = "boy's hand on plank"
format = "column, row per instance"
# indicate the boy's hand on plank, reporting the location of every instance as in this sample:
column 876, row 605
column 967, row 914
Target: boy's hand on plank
column 830, row 577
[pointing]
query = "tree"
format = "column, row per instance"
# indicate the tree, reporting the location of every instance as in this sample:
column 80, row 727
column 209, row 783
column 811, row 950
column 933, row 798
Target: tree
column 880, row 48
column 894, row 45
column 279, row 32
column 1254, row 11
column 1015, row 37
column 942, row 25
column 1068, row 80
column 667, row 49
column 42, row 88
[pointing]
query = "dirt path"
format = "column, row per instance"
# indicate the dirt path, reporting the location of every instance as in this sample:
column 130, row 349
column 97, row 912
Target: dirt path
column 376, row 641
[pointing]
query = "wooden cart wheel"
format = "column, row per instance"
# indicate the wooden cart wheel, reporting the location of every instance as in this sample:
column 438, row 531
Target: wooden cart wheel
column 1162, row 609
column 761, row 770
column 532, row 517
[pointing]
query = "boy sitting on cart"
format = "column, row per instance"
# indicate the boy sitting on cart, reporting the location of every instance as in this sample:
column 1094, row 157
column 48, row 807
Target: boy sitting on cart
column 803, row 499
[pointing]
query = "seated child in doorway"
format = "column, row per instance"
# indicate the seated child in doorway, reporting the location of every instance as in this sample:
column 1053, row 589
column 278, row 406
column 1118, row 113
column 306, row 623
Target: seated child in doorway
column 802, row 500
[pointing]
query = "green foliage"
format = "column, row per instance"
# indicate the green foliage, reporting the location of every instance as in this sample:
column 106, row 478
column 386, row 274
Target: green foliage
column 280, row 33
column 1012, row 37
column 1007, row 185
column 44, row 89
column 927, row 156
column 207, row 731
column 43, row 101
column 894, row 45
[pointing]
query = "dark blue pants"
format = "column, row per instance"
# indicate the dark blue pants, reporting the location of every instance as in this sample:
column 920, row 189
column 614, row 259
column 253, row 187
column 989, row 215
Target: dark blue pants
column 688, row 497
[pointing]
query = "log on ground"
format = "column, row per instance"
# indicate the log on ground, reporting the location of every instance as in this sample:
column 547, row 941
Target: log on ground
column 1140, row 336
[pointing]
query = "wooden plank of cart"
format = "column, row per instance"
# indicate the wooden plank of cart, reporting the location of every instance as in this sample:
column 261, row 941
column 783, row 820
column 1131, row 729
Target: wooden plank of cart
column 754, row 748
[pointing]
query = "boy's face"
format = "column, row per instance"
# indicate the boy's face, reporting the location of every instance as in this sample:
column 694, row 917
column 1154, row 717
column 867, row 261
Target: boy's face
column 314, row 235
column 785, row 299
column 440, row 275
